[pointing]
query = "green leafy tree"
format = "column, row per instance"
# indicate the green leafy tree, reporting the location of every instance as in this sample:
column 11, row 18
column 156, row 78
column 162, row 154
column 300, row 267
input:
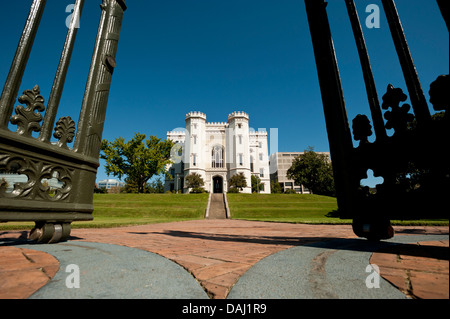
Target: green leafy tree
column 131, row 186
column 314, row 171
column 275, row 187
column 257, row 186
column 156, row 187
column 196, row 182
column 138, row 159
column 238, row 181
column 101, row 190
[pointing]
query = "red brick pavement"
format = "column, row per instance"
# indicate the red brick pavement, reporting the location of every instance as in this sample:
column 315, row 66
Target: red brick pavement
column 215, row 252
column 24, row 271
column 419, row 271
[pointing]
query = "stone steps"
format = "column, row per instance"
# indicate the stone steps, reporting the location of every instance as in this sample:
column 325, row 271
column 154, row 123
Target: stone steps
column 217, row 208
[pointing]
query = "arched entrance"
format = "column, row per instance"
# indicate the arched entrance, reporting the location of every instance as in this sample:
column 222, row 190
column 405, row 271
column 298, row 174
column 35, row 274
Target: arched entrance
column 217, row 184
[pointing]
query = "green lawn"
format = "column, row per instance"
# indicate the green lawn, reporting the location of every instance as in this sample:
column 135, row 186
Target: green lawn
column 294, row 208
column 113, row 210
column 134, row 209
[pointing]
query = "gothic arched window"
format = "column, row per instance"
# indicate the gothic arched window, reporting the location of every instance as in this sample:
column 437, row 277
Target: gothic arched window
column 217, row 157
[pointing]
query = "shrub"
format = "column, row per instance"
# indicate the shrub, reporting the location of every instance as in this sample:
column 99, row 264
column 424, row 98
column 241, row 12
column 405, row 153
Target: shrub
column 194, row 181
column 197, row 190
column 238, row 181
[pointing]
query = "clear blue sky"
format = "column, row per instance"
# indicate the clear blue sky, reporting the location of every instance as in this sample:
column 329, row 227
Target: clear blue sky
column 177, row 56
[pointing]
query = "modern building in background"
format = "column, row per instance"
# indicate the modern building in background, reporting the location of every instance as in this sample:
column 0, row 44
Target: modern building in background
column 280, row 162
column 217, row 151
column 110, row 183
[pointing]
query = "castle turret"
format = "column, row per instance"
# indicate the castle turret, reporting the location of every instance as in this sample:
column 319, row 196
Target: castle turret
column 238, row 142
column 195, row 139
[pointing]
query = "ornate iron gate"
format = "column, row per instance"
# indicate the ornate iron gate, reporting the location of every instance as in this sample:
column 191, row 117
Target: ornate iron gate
column 40, row 160
column 413, row 161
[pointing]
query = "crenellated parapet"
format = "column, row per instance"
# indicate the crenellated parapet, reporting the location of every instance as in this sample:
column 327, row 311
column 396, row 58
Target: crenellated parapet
column 238, row 114
column 196, row 114
column 257, row 133
column 176, row 133
column 217, row 124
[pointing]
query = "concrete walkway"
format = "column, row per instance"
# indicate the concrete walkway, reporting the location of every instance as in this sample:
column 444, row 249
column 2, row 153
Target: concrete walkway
column 217, row 207
column 230, row 258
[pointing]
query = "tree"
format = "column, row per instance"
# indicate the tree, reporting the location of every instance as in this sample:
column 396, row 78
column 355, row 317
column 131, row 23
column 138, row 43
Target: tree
column 275, row 187
column 156, row 187
column 131, row 186
column 101, row 190
column 195, row 181
column 138, row 159
column 238, row 181
column 257, row 186
column 314, row 171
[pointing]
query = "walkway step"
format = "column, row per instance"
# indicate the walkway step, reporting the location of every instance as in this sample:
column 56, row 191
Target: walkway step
column 217, row 208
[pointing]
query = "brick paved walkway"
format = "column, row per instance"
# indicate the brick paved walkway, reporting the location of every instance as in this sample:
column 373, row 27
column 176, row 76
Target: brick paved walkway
column 215, row 252
column 419, row 271
column 23, row 271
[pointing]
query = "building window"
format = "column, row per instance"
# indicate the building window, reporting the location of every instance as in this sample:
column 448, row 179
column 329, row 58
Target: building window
column 261, row 172
column 260, row 156
column 194, row 159
column 241, row 159
column 240, row 139
column 195, row 125
column 260, row 144
column 194, row 137
column 239, row 125
column 251, row 164
column 217, row 157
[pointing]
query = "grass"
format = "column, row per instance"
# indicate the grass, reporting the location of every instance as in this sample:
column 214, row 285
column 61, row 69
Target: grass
column 294, row 208
column 112, row 210
column 115, row 210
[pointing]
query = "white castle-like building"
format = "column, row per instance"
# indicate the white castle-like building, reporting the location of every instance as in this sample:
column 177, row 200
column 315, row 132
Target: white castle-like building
column 217, row 151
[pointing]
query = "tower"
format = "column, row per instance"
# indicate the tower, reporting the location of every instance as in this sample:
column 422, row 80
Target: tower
column 195, row 157
column 238, row 155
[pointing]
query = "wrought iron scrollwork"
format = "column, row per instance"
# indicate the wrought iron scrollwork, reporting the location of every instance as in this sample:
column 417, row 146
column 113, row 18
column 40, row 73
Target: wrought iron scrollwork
column 439, row 96
column 398, row 118
column 64, row 131
column 28, row 119
column 36, row 171
column 362, row 128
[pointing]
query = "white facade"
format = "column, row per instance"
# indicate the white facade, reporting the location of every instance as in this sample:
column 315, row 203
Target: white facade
column 217, row 151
